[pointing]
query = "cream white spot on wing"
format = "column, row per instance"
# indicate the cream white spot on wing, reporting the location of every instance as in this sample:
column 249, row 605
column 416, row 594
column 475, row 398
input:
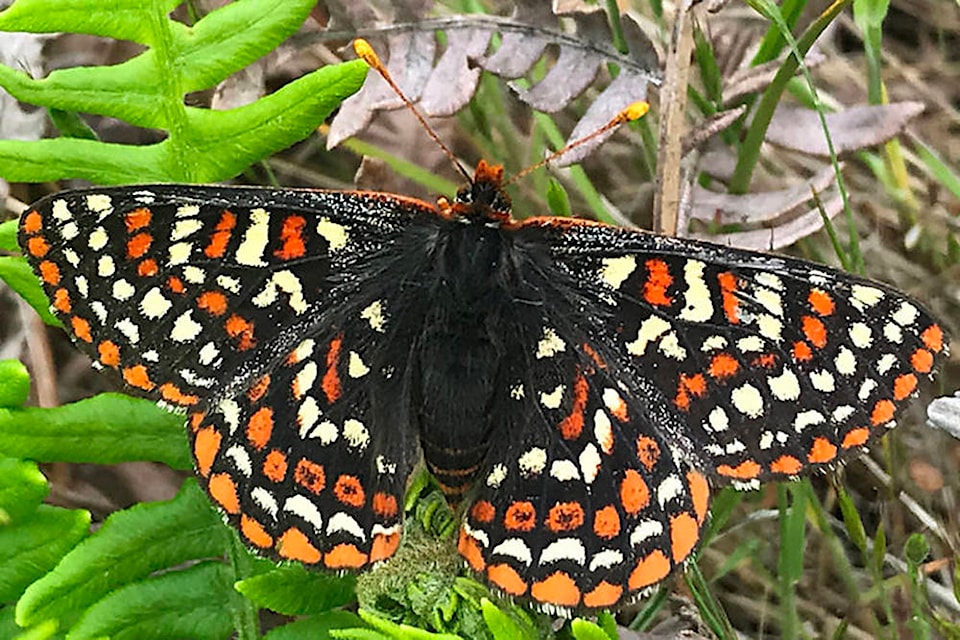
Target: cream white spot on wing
column 374, row 315
column 823, row 381
column 255, row 239
column 100, row 310
column 304, row 508
column 241, row 459
column 845, row 362
column 345, row 523
column 806, row 419
column 185, row 328
column 496, row 476
column 906, row 314
column 188, row 211
column 718, row 420
column 208, row 353
column 194, row 274
column 769, row 327
column 335, row 234
column 303, row 381
column 767, row 279
column 355, row 433
column 151, row 355
column 564, row 470
column 517, row 391
column 153, row 305
column 645, row 530
column 385, row 467
column 72, row 257
column 99, row 203
column 128, row 329
column 605, row 559
column 477, row 534
column 866, row 389
column 326, row 432
column 735, row 446
column 229, row 283
column 698, row 305
column 304, row 350
column 61, row 211
column 564, row 549
column 69, row 231
column 122, row 290
column 106, row 267
column 616, row 270
column 514, row 548
column 766, row 440
column 265, row 500
column 185, row 228
column 863, row 296
column 230, row 411
column 178, row 253
column 550, row 344
column 602, row 431
column 650, row 329
column 589, row 463
column 785, row 387
column 670, row 488
column 770, row 300
column 553, row 399
column 356, row 368
column 886, row 362
column 98, row 239
column 670, row 346
column 286, row 282
column 861, row 335
column 841, row 413
column 532, row 461
column 82, row 285
column 892, row 333
column 713, row 343
column 750, row 344
column 747, row 400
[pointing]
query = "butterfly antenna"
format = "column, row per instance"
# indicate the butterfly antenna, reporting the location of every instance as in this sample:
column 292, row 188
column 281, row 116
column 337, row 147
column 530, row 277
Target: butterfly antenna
column 634, row 111
column 365, row 52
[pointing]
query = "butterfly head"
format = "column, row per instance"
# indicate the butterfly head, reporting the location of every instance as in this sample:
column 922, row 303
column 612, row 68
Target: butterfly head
column 484, row 197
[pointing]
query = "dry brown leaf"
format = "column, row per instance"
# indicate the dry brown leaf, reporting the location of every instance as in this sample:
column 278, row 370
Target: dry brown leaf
column 857, row 128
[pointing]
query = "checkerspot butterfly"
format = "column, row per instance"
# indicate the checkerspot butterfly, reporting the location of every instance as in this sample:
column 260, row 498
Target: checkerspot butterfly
column 578, row 387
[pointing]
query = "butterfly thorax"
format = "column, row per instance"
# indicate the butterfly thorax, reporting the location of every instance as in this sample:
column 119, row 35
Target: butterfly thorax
column 483, row 199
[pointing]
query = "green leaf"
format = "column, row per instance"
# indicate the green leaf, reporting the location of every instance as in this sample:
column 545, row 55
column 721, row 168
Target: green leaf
column 191, row 603
column 106, row 429
column 14, row 384
column 557, row 199
column 120, row 19
column 22, row 489
column 30, row 549
column 129, row 546
column 19, row 276
column 501, row 625
column 851, row 518
column 294, row 591
column 316, row 627
column 916, row 549
column 586, row 630
column 229, row 141
column 42, row 631
column 401, row 631
column 8, row 236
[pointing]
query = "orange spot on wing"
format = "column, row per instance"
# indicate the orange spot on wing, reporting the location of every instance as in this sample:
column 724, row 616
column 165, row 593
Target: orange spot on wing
column 649, row 570
column 32, row 222
column 620, row 412
column 855, row 437
column 728, row 293
column 470, row 550
column 687, row 386
column 882, row 412
column 765, row 360
column 648, row 451
column 634, row 494
column 275, row 466
column 932, row 337
column 241, row 330
column 822, row 451
column 50, row 273
column 922, row 361
column 137, row 219
column 593, row 355
column 109, row 353
column 603, row 595
column 294, row 545
column 821, row 302
column 206, row 445
column 223, row 490
column 196, row 419
column 213, row 302
column 172, row 393
column 904, row 385
column 565, row 516
column 658, row 281
column 384, row 504
column 349, row 491
column 138, row 245
column 723, row 366
column 221, row 235
column 507, row 578
column 802, row 351
column 258, row 389
column 559, row 588
column 254, row 532
column 310, row 475
column 483, row 511
column 331, row 379
column 37, row 247
column 606, row 522
column 787, row 465
column 383, row 546
column 744, row 471
column 572, row 426
column 291, row 234
column 345, row 556
column 260, row 427
column 137, row 376
column 815, row 331
column 175, row 284
column 520, row 516
column 699, row 494
column 61, row 301
column 81, row 328
column 147, row 268
column 684, row 533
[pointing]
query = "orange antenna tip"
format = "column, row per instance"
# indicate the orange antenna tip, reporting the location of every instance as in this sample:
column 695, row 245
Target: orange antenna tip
column 365, row 52
column 635, row 111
